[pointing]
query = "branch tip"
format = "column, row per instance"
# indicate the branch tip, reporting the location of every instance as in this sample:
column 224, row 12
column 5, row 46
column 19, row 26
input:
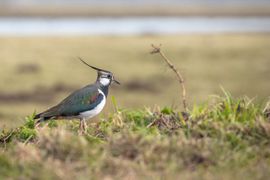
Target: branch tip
column 156, row 49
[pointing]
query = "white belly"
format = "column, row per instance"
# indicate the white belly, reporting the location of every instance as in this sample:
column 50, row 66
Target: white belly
column 96, row 110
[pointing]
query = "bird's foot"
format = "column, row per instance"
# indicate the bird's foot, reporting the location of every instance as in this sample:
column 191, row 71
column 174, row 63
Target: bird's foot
column 81, row 132
column 85, row 126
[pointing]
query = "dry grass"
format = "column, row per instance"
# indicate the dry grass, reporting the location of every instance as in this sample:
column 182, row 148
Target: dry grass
column 225, row 138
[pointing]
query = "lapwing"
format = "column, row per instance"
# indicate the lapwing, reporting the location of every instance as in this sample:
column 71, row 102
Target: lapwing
column 84, row 103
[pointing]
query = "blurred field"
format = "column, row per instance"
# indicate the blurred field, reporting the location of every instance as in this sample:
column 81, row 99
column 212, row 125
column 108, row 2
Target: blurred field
column 37, row 72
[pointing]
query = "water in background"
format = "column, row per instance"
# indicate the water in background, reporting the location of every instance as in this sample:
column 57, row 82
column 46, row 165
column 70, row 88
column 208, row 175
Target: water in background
column 131, row 25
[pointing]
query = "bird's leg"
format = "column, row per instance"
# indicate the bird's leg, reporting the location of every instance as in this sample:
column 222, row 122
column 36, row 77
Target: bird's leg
column 82, row 126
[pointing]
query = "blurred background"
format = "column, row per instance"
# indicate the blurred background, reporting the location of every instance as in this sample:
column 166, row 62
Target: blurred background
column 214, row 43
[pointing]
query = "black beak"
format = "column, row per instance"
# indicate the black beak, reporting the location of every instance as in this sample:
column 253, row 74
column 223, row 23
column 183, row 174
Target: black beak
column 98, row 69
column 117, row 82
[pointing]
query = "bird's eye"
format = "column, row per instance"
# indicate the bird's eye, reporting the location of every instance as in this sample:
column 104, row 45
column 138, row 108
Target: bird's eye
column 109, row 76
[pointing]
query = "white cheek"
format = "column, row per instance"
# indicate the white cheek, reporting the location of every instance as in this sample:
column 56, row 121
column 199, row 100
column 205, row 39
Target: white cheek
column 104, row 81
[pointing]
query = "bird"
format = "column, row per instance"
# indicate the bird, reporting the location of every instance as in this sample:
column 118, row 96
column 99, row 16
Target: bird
column 84, row 103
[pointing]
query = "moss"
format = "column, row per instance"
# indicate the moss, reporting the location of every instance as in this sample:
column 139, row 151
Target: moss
column 167, row 110
column 26, row 134
column 30, row 122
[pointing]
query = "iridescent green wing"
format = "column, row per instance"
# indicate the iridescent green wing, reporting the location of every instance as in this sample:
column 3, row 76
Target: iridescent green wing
column 81, row 100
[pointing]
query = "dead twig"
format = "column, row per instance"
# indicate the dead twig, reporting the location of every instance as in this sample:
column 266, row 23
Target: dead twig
column 5, row 138
column 152, row 123
column 156, row 49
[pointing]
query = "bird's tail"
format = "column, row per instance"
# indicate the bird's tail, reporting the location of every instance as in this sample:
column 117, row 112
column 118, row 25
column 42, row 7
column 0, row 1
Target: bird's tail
column 46, row 115
column 37, row 116
column 41, row 118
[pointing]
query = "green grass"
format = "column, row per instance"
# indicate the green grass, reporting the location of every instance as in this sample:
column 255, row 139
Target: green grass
column 223, row 138
column 240, row 63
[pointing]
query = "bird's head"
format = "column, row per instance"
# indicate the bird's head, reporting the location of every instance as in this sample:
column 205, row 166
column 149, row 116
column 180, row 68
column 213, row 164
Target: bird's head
column 104, row 77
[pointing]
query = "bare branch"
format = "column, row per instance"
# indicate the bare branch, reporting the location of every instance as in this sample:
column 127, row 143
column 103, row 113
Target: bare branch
column 157, row 49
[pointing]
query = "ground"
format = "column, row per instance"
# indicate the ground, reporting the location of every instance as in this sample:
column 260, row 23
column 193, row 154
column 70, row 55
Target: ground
column 223, row 138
